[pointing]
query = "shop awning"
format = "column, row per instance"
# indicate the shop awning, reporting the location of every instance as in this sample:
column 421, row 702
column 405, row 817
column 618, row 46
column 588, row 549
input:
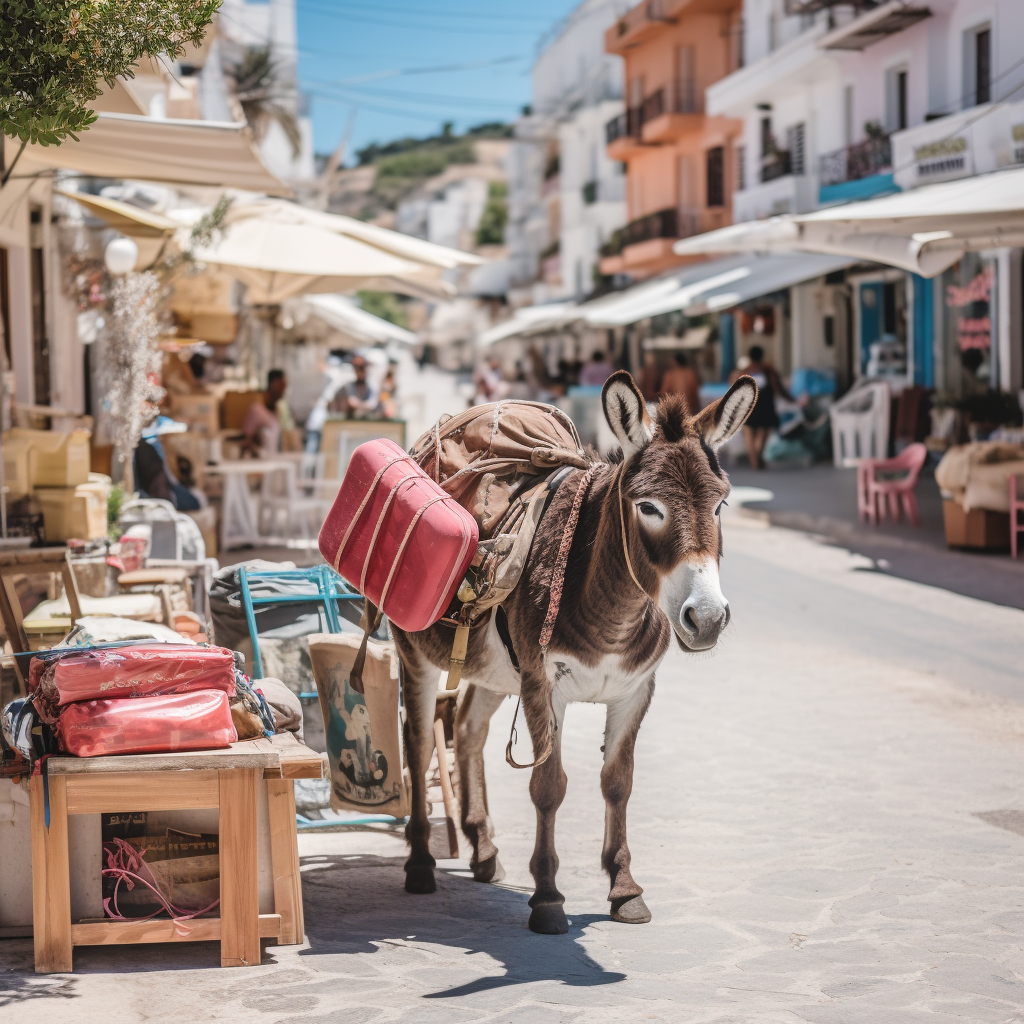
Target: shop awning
column 709, row 287
column 170, row 150
column 530, row 320
column 341, row 313
column 923, row 231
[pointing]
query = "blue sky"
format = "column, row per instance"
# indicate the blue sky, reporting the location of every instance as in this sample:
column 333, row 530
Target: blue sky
column 349, row 52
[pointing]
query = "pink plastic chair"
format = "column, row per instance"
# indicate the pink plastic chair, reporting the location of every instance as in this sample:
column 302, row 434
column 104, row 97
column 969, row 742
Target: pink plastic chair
column 1016, row 507
column 875, row 496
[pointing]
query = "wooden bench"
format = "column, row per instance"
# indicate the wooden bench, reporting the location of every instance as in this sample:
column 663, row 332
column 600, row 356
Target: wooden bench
column 227, row 779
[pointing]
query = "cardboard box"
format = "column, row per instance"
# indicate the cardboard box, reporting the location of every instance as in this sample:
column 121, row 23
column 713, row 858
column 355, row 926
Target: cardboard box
column 17, row 474
column 200, row 412
column 56, row 459
column 72, row 512
column 236, row 405
column 979, row 528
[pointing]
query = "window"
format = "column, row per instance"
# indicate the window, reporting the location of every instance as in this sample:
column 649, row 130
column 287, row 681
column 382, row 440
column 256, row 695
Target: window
column 767, row 143
column 896, row 99
column 741, row 168
column 716, row 176
column 796, row 148
column 848, row 115
column 982, row 67
column 977, row 62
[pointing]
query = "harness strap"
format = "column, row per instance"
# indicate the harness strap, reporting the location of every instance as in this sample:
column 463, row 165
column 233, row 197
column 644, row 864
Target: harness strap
column 625, row 539
column 457, row 662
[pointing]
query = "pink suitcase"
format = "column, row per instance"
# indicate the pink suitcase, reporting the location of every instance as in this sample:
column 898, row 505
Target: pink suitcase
column 397, row 537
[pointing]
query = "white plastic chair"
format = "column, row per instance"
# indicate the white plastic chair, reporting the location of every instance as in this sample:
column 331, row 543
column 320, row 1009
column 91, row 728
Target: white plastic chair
column 860, row 423
column 281, row 499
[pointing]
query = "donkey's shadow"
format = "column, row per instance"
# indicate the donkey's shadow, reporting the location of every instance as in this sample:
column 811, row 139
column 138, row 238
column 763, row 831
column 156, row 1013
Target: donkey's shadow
column 357, row 905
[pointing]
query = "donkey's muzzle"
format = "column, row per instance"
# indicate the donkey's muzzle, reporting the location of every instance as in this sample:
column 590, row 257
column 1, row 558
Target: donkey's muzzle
column 701, row 621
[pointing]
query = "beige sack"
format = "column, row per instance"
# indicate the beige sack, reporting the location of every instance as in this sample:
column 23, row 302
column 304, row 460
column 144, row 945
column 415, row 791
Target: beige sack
column 364, row 737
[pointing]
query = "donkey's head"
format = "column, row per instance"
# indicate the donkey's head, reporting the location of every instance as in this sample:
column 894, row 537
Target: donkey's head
column 671, row 492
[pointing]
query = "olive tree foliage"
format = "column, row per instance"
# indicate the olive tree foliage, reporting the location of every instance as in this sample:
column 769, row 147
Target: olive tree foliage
column 57, row 55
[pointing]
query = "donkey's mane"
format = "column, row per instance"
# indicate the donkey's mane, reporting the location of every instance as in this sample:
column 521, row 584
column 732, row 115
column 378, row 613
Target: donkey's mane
column 673, row 414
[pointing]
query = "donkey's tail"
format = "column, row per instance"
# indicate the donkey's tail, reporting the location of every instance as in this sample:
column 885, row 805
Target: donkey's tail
column 547, row 740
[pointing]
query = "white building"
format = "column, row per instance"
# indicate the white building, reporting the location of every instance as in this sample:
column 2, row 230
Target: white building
column 565, row 196
column 841, row 103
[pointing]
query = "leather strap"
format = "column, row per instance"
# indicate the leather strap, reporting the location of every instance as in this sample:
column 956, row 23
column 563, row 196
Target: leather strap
column 625, row 540
column 355, row 676
column 457, row 662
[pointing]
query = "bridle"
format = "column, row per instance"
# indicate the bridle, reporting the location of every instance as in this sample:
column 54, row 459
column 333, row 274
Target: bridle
column 625, row 538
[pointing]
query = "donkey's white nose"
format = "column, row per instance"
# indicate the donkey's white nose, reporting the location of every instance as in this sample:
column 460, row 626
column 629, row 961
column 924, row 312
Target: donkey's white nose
column 702, row 618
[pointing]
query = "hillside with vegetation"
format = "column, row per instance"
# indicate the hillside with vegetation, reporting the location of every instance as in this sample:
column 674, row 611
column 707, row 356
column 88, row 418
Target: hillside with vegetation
column 386, row 173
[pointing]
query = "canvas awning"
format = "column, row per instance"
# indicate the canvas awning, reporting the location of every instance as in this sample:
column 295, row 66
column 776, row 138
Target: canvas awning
column 709, row 287
column 530, row 320
column 159, row 149
column 923, row 231
column 341, row 313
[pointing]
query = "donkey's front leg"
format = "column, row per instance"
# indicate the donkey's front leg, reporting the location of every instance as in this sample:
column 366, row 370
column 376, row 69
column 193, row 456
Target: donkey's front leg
column 420, row 690
column 621, row 726
column 547, row 789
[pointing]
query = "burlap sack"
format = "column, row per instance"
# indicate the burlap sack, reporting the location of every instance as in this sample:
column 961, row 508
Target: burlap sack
column 364, row 736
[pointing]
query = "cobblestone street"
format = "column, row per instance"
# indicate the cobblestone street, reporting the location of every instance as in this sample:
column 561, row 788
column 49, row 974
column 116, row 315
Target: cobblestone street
column 827, row 820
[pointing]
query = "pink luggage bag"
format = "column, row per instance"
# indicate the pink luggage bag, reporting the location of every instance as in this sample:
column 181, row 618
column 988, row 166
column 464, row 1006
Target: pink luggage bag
column 147, row 725
column 397, row 537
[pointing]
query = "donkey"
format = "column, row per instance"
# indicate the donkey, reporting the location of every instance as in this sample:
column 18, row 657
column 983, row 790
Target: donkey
column 642, row 567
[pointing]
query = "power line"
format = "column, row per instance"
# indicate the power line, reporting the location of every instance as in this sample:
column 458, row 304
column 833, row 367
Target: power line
column 436, row 69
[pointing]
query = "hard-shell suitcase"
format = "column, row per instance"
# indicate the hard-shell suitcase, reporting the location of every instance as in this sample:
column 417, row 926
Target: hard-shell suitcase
column 147, row 725
column 397, row 537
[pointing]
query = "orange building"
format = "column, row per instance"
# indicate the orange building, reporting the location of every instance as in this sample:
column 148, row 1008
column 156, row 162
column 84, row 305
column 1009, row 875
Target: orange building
column 680, row 175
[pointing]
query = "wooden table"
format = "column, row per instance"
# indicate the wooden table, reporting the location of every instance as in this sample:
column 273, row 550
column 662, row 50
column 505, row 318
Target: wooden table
column 226, row 779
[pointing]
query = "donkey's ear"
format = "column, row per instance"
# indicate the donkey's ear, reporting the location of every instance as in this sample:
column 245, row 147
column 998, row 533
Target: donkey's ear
column 626, row 412
column 720, row 420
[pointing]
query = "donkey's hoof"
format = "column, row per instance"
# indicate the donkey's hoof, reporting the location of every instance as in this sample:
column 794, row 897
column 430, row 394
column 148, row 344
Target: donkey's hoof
column 489, row 870
column 548, row 919
column 419, row 879
column 630, row 910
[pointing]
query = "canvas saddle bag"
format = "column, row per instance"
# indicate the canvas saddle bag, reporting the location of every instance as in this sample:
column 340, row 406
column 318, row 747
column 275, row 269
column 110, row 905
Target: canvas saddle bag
column 502, row 463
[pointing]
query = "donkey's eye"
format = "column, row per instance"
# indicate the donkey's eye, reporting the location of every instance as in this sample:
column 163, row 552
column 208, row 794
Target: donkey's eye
column 648, row 508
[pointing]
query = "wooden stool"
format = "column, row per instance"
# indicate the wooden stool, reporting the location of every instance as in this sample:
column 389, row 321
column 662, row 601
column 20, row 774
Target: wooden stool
column 226, row 779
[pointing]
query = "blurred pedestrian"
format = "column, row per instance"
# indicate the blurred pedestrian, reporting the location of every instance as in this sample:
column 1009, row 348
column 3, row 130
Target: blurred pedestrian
column 490, row 382
column 650, row 377
column 357, row 399
column 597, row 371
column 267, row 417
column 683, row 379
column 763, row 417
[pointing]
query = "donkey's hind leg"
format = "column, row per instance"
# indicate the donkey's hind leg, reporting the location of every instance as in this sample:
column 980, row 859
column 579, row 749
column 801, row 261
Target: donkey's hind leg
column 475, row 710
column 622, row 724
column 420, row 692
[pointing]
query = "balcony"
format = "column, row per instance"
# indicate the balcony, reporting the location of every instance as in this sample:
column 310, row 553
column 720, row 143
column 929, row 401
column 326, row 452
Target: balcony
column 623, row 133
column 645, row 244
column 639, row 23
column 775, row 165
column 671, row 111
column 857, row 172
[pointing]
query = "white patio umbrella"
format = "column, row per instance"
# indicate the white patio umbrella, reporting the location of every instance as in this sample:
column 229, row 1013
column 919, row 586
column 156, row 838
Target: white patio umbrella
column 281, row 250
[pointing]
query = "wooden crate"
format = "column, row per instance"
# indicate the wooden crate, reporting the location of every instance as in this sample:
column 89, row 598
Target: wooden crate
column 979, row 528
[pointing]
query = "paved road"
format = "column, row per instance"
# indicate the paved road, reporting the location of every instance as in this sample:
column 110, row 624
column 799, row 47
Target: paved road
column 828, row 820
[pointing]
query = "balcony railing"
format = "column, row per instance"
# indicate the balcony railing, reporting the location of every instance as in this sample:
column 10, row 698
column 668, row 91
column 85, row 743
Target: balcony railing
column 861, row 160
column 626, row 126
column 776, row 165
column 661, row 224
column 681, row 96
